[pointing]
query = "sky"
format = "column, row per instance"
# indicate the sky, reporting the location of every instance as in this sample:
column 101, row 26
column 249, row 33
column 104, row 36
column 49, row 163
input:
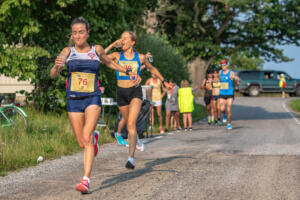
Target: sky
column 293, row 67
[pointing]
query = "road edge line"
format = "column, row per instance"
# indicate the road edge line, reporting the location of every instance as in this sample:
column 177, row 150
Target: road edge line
column 288, row 111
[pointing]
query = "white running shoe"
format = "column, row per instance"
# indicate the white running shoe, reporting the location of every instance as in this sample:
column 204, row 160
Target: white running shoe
column 140, row 145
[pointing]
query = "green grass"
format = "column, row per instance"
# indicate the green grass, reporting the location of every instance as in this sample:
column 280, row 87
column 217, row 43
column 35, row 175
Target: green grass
column 49, row 135
column 295, row 104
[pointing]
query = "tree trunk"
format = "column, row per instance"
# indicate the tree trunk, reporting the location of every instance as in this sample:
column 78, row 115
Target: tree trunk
column 197, row 69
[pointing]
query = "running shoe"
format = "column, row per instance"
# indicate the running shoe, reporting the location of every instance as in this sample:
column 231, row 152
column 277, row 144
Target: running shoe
column 119, row 139
column 185, row 129
column 129, row 165
column 191, row 129
column 96, row 145
column 140, row 146
column 83, row 186
column 224, row 118
column 229, row 127
column 219, row 123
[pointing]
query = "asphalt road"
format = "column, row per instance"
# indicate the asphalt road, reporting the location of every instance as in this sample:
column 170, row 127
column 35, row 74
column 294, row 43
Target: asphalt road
column 258, row 159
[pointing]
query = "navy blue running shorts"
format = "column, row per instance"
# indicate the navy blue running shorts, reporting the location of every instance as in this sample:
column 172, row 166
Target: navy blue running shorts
column 79, row 104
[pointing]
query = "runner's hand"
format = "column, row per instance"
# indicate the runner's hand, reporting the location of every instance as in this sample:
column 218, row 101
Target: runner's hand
column 167, row 85
column 59, row 63
column 135, row 78
column 148, row 54
column 118, row 43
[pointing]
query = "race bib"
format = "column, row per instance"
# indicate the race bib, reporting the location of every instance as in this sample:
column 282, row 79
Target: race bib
column 82, row 82
column 133, row 65
column 224, row 86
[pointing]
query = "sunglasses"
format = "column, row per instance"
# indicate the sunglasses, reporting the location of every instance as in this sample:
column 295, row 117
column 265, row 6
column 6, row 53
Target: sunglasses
column 223, row 64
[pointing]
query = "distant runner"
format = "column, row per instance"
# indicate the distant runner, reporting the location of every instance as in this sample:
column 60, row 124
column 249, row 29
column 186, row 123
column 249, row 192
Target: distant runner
column 215, row 99
column 227, row 92
column 207, row 86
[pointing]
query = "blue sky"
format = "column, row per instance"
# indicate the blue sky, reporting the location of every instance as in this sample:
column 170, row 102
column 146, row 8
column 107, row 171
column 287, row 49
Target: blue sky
column 292, row 68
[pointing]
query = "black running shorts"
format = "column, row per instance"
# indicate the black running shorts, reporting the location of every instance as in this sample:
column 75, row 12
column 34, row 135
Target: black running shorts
column 125, row 95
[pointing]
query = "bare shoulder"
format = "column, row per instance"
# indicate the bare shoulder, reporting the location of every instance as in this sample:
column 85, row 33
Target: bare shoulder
column 98, row 48
column 66, row 51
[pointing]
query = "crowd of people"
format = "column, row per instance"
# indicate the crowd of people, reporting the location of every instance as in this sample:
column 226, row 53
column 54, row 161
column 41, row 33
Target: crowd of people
column 83, row 93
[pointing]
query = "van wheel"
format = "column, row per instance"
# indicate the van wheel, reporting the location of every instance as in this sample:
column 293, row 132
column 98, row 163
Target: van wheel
column 253, row 91
column 297, row 91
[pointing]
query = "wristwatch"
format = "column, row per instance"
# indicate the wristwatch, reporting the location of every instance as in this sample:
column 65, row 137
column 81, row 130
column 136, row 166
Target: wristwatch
column 127, row 71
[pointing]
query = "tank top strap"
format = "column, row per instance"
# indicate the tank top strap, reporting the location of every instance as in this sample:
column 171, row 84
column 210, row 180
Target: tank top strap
column 122, row 57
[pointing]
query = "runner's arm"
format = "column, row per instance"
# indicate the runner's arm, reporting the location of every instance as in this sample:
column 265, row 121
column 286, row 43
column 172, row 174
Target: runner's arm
column 152, row 69
column 59, row 63
column 113, row 65
column 115, row 44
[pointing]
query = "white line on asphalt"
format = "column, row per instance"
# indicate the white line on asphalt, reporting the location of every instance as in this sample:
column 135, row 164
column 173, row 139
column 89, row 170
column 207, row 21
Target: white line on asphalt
column 292, row 114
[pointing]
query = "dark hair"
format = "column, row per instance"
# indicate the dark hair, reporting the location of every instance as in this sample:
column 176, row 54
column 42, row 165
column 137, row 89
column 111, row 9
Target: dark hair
column 79, row 20
column 132, row 36
column 171, row 81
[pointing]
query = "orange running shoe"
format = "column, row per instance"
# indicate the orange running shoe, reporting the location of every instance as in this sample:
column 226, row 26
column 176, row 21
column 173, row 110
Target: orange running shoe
column 83, row 186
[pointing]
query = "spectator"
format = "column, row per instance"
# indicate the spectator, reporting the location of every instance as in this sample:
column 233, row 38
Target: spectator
column 186, row 103
column 282, row 84
column 172, row 108
column 157, row 96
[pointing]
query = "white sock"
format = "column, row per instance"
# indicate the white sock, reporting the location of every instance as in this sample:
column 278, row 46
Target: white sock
column 131, row 159
column 86, row 178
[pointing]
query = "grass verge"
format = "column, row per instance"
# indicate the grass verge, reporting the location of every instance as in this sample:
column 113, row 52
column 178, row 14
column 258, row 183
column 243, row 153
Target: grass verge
column 295, row 104
column 49, row 135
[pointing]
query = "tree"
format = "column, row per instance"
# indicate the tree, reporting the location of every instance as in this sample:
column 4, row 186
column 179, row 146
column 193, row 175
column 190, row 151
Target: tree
column 32, row 33
column 209, row 30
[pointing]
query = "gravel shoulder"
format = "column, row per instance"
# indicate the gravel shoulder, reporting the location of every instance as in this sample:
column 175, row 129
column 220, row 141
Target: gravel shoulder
column 258, row 159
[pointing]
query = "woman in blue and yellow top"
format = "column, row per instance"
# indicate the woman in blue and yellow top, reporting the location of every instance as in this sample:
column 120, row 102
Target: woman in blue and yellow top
column 129, row 94
column 83, row 95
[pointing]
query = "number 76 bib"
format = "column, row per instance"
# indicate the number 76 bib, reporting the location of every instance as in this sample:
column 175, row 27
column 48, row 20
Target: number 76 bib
column 82, row 82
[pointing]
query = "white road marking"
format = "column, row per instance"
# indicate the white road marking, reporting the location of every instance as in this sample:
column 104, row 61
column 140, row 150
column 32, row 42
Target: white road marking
column 292, row 114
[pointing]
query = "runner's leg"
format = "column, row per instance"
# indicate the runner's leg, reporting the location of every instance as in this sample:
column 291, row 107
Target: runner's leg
column 134, row 110
column 229, row 110
column 92, row 113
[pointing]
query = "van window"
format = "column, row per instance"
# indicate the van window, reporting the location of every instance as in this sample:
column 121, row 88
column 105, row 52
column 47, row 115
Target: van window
column 268, row 75
column 249, row 75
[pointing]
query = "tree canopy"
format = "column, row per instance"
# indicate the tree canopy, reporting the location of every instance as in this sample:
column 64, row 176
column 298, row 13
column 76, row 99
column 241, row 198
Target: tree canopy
column 214, row 29
column 32, row 33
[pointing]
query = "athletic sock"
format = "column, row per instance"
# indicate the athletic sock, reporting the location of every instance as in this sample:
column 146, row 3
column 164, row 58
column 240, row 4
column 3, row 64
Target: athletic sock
column 131, row 159
column 86, row 178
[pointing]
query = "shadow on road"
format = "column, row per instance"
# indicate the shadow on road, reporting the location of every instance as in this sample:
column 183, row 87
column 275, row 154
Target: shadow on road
column 256, row 113
column 136, row 173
